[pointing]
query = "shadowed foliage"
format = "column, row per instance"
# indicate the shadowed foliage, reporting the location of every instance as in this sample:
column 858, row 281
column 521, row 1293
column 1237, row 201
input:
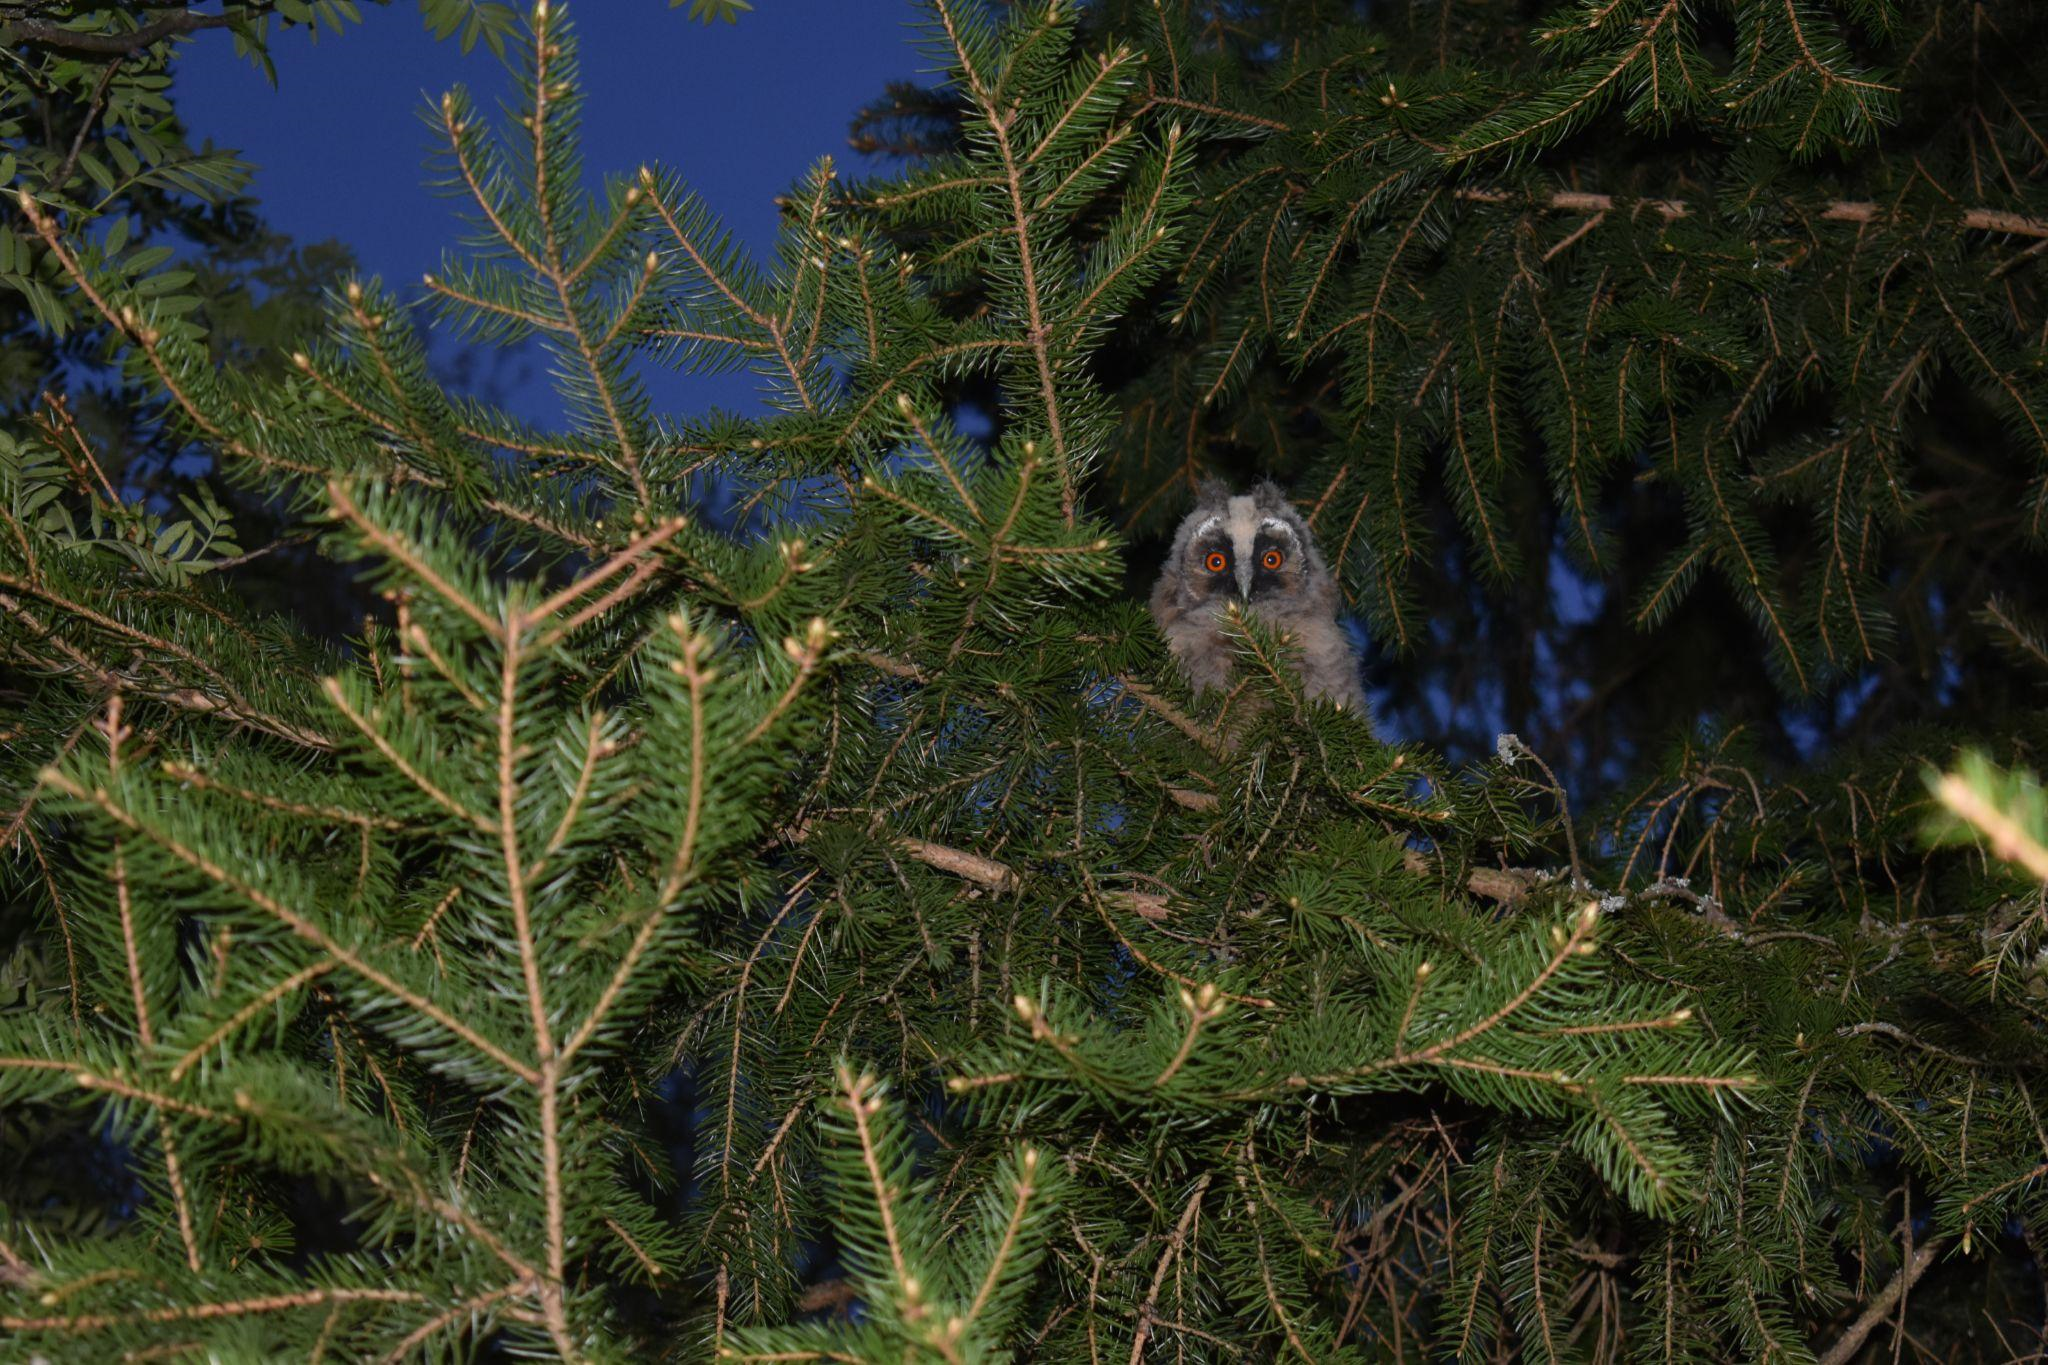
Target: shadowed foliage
column 830, row 929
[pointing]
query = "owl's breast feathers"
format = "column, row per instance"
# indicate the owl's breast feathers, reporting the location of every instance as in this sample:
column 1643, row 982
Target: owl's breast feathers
column 1192, row 632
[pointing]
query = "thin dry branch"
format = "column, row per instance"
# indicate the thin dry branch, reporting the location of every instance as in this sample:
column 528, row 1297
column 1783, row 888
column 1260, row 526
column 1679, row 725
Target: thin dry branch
column 1836, row 211
column 1148, row 1313
column 52, row 33
column 1851, row 1341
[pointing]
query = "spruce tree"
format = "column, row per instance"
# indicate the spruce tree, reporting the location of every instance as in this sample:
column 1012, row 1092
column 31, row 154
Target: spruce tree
column 757, row 890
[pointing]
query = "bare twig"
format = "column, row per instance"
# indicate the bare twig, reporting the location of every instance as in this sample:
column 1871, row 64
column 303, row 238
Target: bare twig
column 1851, row 1341
column 49, row 33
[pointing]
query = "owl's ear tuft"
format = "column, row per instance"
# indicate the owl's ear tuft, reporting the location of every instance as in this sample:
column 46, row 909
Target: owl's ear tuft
column 1269, row 497
column 1211, row 490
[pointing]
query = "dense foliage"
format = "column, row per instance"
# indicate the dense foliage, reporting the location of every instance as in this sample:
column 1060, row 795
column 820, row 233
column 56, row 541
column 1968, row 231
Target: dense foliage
column 1638, row 361
column 846, row 939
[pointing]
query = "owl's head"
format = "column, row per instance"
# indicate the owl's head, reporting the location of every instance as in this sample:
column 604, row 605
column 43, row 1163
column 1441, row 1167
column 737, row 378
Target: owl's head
column 1250, row 548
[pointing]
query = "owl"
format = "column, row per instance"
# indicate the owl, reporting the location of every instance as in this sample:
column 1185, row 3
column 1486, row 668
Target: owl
column 1253, row 550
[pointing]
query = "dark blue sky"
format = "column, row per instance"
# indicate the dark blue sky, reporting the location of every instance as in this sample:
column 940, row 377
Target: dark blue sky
column 741, row 110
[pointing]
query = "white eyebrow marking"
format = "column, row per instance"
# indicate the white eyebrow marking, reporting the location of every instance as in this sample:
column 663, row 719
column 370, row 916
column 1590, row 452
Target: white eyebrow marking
column 1275, row 524
column 1206, row 527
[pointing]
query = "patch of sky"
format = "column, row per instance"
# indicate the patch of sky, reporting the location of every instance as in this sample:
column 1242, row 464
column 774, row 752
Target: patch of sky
column 741, row 111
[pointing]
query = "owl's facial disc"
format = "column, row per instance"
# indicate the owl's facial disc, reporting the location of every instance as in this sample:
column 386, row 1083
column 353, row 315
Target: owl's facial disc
column 1246, row 554
column 1269, row 563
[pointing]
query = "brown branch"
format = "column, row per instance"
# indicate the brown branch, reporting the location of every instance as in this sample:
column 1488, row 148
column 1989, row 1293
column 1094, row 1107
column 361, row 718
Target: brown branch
column 967, row 866
column 1148, row 1314
column 1836, row 211
column 197, row 1312
column 49, row 33
column 1851, row 1341
column 1506, row 885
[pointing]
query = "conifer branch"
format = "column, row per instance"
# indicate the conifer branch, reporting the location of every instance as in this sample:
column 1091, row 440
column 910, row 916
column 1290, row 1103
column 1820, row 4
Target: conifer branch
column 412, row 635
column 537, row 321
column 1154, row 907
column 2009, row 840
column 856, row 1094
column 506, row 831
column 184, row 773
column 345, row 506
column 739, row 1007
column 442, row 1321
column 1202, row 1006
column 230, row 703
column 333, row 690
column 293, row 920
column 697, row 678
column 553, row 270
column 689, row 247
column 1027, row 1160
column 1038, row 328
column 257, row 1005
column 127, row 322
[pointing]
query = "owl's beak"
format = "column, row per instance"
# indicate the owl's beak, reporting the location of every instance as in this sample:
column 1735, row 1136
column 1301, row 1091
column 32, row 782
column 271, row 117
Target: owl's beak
column 1244, row 581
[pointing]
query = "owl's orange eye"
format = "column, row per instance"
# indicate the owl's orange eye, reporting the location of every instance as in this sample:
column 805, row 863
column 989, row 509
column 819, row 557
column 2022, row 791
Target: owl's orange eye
column 1216, row 562
column 1273, row 559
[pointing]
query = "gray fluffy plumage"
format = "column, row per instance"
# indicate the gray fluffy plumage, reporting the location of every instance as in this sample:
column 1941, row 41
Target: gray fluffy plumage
column 1253, row 549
